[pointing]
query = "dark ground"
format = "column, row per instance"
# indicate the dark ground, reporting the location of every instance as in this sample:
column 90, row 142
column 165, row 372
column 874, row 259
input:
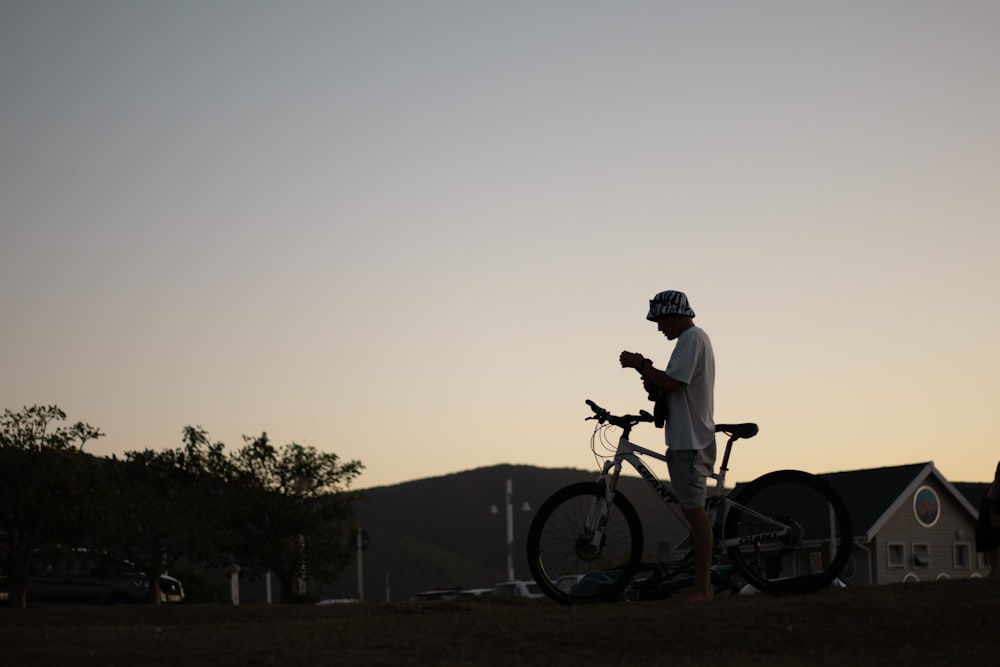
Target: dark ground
column 940, row 623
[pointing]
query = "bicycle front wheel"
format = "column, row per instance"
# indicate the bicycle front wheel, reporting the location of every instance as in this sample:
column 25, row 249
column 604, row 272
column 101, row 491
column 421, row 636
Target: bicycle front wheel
column 580, row 548
column 788, row 532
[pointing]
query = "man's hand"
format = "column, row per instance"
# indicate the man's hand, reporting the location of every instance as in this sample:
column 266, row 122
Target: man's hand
column 631, row 359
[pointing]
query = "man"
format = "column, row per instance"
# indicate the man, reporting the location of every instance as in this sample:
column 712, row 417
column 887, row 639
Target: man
column 687, row 386
column 988, row 525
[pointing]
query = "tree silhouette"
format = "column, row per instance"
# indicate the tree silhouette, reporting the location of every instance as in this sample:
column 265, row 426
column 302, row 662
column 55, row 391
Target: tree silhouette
column 294, row 512
column 47, row 488
column 285, row 510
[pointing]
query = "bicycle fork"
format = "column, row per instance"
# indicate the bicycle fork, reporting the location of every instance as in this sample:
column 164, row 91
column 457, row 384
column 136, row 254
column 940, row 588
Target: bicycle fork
column 600, row 509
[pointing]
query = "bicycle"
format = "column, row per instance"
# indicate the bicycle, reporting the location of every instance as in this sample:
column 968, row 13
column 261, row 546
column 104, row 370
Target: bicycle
column 785, row 532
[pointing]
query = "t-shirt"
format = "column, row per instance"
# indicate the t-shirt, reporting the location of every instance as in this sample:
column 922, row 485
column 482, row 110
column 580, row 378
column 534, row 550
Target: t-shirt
column 691, row 424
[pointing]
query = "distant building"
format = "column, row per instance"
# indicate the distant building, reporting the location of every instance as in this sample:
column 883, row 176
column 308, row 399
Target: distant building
column 910, row 524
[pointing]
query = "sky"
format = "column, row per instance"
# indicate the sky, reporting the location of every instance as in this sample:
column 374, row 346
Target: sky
column 418, row 233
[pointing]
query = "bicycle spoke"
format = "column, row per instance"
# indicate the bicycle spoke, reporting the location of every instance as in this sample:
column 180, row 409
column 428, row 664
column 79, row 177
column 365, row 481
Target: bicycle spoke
column 788, row 532
column 573, row 563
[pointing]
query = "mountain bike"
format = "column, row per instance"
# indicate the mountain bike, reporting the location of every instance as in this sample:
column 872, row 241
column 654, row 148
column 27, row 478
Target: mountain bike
column 785, row 532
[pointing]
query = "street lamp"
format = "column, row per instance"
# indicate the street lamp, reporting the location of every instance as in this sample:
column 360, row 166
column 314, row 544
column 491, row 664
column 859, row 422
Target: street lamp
column 525, row 507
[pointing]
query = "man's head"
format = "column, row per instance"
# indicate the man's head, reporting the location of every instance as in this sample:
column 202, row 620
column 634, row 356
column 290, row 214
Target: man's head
column 671, row 312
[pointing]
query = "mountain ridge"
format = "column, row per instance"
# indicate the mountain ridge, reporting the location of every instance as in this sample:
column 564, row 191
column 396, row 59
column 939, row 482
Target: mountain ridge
column 438, row 532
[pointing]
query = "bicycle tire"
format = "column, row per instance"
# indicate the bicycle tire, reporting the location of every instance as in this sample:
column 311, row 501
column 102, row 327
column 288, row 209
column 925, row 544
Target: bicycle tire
column 564, row 565
column 804, row 561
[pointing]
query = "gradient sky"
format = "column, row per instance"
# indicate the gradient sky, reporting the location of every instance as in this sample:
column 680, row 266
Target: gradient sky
column 418, row 233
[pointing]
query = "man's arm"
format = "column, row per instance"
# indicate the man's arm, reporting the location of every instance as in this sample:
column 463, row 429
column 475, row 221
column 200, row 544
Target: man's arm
column 650, row 376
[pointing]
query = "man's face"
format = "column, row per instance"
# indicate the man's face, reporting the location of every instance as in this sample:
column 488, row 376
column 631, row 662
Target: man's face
column 670, row 326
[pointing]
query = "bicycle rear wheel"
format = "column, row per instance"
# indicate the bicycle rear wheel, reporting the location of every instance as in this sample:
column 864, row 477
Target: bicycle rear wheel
column 788, row 532
column 568, row 564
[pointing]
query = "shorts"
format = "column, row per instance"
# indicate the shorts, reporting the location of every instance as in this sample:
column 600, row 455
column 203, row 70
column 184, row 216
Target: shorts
column 689, row 471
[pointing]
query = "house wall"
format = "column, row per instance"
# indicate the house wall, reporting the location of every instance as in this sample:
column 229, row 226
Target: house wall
column 859, row 570
column 943, row 545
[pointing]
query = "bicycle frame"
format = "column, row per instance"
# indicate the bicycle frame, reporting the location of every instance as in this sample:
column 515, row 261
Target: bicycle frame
column 786, row 531
column 629, row 452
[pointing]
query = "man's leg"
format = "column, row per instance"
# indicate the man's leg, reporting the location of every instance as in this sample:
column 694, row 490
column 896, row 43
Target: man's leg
column 993, row 558
column 701, row 540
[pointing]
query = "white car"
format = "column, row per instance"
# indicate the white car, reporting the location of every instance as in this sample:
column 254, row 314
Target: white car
column 521, row 589
column 469, row 593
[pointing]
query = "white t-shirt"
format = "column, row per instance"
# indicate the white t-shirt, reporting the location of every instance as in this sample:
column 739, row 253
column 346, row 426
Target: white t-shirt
column 691, row 423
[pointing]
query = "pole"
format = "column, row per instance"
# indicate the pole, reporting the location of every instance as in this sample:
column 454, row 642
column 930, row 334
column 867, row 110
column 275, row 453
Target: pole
column 361, row 578
column 510, row 531
column 234, row 583
column 300, row 584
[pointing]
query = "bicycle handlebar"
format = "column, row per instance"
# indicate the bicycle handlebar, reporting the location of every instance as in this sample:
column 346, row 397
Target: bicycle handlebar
column 623, row 421
column 734, row 431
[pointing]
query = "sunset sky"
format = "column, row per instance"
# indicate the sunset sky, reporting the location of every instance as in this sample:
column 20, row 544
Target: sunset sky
column 418, row 233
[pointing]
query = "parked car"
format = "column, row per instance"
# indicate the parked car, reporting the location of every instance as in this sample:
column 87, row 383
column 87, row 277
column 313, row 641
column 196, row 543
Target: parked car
column 171, row 589
column 523, row 589
column 88, row 578
column 472, row 593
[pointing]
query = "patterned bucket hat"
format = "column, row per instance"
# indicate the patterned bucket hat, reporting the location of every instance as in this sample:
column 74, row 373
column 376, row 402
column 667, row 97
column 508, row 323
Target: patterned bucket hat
column 669, row 303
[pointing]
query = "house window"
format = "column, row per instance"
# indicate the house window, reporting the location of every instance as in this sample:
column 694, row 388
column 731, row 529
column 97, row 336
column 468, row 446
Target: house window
column 922, row 556
column 963, row 556
column 926, row 506
column 897, row 554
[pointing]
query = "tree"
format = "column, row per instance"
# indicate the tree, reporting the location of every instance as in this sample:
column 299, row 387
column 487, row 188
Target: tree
column 294, row 512
column 47, row 484
column 168, row 504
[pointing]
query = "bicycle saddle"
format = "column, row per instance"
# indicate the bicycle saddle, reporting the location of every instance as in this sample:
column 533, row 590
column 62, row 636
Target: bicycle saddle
column 747, row 430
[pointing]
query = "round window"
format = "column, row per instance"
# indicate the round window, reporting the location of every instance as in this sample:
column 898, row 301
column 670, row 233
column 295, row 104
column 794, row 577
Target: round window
column 926, row 506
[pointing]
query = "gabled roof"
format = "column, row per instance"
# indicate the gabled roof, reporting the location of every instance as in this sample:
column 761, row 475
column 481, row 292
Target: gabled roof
column 973, row 491
column 874, row 496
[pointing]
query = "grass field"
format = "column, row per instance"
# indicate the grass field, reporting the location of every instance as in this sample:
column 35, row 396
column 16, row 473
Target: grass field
column 940, row 623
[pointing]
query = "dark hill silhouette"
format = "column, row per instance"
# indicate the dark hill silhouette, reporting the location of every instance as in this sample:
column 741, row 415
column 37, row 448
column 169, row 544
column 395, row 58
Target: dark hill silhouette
column 439, row 532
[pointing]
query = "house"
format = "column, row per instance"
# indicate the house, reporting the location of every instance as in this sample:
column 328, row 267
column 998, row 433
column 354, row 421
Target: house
column 910, row 524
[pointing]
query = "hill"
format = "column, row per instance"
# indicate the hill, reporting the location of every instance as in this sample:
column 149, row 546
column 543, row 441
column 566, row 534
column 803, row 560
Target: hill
column 439, row 532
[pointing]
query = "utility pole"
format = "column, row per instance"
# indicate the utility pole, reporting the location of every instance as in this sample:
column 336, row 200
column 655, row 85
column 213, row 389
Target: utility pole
column 526, row 507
